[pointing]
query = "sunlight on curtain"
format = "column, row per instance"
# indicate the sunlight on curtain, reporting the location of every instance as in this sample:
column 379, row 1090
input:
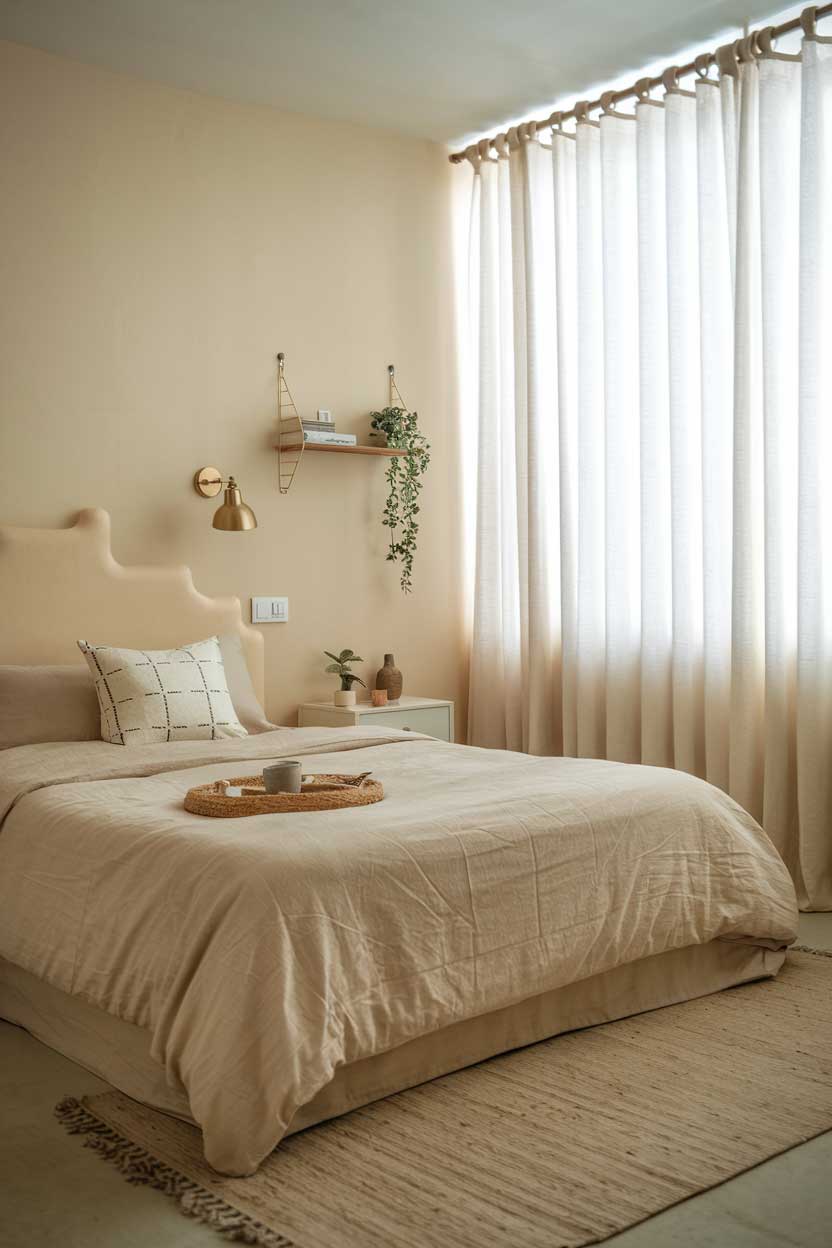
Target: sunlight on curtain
column 652, row 313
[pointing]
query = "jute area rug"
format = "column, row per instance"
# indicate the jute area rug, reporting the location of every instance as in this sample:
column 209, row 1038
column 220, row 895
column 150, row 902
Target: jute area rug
column 554, row 1146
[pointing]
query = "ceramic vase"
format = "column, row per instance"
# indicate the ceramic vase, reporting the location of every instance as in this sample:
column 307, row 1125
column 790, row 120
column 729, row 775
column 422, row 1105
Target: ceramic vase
column 390, row 678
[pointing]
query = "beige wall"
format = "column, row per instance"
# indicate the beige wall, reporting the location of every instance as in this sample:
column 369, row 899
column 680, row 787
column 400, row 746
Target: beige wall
column 157, row 248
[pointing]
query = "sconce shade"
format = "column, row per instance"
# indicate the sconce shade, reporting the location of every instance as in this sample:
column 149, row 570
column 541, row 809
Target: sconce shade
column 234, row 516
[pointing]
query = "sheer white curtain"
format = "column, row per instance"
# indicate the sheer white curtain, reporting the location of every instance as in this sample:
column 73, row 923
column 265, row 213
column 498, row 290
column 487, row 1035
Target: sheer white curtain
column 652, row 312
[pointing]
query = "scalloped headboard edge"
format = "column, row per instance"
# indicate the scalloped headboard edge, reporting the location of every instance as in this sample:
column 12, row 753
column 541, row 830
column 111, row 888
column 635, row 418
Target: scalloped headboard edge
column 62, row 584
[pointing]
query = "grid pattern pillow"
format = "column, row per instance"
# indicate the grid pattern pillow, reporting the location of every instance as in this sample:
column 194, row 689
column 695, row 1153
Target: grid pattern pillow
column 148, row 696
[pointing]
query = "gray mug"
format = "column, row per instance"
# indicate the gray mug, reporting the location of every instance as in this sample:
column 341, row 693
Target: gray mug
column 282, row 777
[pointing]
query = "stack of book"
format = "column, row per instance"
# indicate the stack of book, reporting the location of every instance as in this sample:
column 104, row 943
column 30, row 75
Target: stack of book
column 323, row 431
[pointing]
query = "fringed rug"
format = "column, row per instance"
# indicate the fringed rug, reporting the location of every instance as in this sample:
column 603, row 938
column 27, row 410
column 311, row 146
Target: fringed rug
column 554, row 1146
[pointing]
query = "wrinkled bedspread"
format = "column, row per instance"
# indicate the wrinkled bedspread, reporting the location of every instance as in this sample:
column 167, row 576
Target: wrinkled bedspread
column 262, row 953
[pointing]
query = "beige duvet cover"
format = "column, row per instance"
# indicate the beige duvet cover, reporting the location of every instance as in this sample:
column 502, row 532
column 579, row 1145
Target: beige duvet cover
column 264, row 953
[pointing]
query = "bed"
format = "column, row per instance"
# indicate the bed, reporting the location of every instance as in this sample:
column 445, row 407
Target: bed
column 258, row 976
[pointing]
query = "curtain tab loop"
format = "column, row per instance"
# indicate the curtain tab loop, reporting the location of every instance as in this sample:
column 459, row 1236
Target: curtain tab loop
column 582, row 117
column 765, row 41
column 472, row 154
column 670, row 82
column 726, row 60
column 746, row 49
column 808, row 20
column 556, row 122
column 500, row 145
column 518, row 135
column 766, row 49
column 609, row 110
column 484, row 151
column 702, row 64
column 642, row 89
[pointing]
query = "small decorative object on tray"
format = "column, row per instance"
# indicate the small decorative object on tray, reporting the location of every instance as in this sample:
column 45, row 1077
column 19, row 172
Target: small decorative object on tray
column 246, row 795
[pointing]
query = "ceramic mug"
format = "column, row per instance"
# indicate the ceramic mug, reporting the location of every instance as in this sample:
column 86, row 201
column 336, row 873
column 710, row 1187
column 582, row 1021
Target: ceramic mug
column 282, row 777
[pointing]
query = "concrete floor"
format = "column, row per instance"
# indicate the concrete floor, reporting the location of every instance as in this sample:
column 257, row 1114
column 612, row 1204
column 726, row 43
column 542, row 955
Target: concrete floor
column 56, row 1194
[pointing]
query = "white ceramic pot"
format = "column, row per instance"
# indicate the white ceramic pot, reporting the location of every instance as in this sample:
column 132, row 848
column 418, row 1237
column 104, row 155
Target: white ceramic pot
column 345, row 697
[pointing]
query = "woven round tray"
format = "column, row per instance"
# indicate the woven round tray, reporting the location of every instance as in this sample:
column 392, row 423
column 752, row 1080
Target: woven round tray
column 206, row 800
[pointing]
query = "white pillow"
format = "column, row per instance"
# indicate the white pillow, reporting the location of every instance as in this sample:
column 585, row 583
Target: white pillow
column 148, row 696
column 246, row 703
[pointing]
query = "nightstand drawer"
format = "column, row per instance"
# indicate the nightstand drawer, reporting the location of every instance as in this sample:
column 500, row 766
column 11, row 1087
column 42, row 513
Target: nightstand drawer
column 434, row 721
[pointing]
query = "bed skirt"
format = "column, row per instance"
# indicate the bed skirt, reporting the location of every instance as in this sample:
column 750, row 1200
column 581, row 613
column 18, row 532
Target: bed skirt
column 119, row 1052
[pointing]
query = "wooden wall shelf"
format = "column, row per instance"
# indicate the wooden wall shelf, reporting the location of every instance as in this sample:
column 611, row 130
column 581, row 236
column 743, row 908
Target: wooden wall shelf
column 349, row 450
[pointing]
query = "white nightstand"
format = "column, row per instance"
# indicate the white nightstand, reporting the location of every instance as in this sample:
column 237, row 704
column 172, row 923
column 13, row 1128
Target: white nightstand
column 432, row 716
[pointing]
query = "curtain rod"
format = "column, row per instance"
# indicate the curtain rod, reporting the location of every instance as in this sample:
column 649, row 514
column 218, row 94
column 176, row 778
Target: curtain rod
column 700, row 65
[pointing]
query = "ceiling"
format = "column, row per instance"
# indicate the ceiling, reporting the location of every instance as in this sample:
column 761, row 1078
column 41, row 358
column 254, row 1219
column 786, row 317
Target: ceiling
column 447, row 70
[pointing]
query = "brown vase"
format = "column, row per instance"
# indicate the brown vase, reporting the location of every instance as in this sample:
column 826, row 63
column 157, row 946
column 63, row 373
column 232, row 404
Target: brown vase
column 390, row 678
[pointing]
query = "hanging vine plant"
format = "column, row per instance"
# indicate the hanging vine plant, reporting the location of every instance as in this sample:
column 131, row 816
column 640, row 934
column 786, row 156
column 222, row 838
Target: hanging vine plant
column 404, row 485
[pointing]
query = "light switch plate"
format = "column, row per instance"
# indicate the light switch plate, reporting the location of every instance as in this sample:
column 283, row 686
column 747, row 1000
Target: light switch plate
column 269, row 610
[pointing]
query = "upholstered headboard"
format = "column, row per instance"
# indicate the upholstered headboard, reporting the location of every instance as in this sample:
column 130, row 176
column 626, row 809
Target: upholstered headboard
column 57, row 585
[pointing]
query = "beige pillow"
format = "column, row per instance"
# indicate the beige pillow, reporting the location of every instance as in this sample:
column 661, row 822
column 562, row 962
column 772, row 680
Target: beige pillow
column 249, row 711
column 47, row 703
column 150, row 696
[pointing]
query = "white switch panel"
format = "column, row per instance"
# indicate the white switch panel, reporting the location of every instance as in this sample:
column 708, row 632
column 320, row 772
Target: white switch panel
column 269, row 610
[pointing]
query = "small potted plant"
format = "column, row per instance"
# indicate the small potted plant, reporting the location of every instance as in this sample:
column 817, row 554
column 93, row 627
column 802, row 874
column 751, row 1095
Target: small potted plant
column 340, row 666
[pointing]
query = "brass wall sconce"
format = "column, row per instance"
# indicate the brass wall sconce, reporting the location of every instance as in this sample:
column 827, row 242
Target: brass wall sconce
column 234, row 516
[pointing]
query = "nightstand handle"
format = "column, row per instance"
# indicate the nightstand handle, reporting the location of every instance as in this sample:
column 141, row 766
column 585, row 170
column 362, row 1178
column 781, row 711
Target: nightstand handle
column 407, row 729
